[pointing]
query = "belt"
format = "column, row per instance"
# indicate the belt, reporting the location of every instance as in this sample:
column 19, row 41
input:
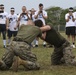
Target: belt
column 20, row 40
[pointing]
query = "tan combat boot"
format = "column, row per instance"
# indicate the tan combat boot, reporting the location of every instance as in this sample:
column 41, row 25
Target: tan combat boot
column 15, row 64
column 27, row 64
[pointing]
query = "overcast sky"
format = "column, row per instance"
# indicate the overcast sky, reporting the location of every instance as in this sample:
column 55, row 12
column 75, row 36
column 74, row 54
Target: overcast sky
column 17, row 4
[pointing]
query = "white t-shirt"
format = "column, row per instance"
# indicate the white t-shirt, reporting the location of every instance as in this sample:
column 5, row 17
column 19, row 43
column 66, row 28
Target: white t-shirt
column 70, row 23
column 24, row 20
column 12, row 22
column 40, row 16
column 75, row 17
column 33, row 18
column 3, row 17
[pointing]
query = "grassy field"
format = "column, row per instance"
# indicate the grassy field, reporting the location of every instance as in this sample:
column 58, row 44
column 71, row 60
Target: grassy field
column 43, row 55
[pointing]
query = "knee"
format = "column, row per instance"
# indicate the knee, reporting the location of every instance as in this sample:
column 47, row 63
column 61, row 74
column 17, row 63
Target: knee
column 32, row 66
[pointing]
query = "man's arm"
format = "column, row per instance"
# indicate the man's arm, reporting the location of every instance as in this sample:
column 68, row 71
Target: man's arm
column 67, row 17
column 45, row 28
column 44, row 16
column 36, row 14
column 43, row 36
column 18, row 23
column 30, row 22
column 7, row 23
column 73, row 19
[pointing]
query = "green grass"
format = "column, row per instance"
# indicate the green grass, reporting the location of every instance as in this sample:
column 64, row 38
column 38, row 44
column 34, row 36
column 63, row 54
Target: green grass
column 44, row 56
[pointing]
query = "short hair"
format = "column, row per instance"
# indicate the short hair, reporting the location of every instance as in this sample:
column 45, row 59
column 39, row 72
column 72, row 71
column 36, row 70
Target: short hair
column 40, row 4
column 38, row 23
column 24, row 6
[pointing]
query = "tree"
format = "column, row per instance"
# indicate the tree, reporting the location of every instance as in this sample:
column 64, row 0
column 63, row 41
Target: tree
column 54, row 15
column 62, row 16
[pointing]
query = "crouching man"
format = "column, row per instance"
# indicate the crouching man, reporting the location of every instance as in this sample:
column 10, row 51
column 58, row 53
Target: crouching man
column 20, row 47
column 62, row 53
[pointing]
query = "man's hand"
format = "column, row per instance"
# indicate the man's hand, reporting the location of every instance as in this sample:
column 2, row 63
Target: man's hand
column 40, row 12
column 15, row 28
column 7, row 28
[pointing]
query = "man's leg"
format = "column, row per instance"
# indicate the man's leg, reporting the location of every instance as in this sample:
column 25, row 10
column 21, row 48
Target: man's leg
column 4, row 38
column 37, row 41
column 73, row 40
column 27, row 64
column 7, row 59
column 9, row 35
column 68, row 33
column 73, row 36
column 56, row 56
column 22, row 50
column 68, row 56
column 4, row 34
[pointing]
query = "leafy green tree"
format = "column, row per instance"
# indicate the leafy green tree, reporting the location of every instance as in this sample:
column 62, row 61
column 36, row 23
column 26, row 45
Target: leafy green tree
column 62, row 16
column 54, row 15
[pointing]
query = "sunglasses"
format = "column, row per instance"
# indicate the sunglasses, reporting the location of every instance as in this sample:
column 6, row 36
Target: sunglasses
column 32, row 11
column 2, row 7
column 12, row 10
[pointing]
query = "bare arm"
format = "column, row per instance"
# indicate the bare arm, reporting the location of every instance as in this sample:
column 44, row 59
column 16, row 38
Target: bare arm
column 45, row 17
column 67, row 19
column 73, row 19
column 19, row 17
column 45, row 28
column 30, row 22
column 43, row 36
column 17, row 25
column 70, row 16
column 7, row 23
column 36, row 16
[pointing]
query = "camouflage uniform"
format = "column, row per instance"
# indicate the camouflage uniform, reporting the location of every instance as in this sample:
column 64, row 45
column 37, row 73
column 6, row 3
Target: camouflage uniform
column 62, row 48
column 63, row 55
column 20, row 48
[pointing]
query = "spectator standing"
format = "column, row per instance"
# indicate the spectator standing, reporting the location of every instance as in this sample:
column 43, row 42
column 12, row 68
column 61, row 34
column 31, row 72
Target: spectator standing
column 32, row 14
column 70, row 26
column 42, row 15
column 12, row 23
column 33, row 19
column 75, row 20
column 3, row 22
column 24, row 16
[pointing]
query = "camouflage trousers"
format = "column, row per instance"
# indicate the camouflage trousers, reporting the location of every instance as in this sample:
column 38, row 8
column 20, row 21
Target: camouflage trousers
column 63, row 55
column 20, row 49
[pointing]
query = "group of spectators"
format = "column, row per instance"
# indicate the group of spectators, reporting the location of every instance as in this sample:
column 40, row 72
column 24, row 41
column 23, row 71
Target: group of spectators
column 10, row 22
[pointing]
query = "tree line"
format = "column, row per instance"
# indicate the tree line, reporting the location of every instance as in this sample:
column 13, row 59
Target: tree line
column 56, row 15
